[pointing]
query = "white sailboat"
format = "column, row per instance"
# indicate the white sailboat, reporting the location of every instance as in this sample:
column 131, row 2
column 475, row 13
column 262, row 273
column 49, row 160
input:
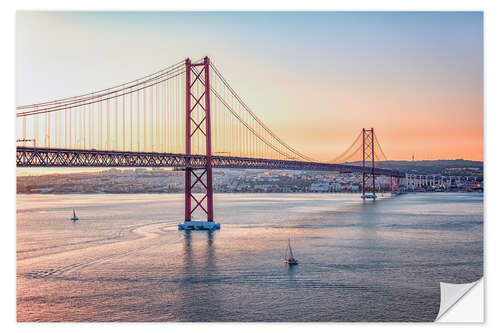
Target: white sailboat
column 74, row 218
column 289, row 259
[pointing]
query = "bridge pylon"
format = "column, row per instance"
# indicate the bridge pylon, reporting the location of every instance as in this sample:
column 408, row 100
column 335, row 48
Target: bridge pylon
column 368, row 159
column 198, row 75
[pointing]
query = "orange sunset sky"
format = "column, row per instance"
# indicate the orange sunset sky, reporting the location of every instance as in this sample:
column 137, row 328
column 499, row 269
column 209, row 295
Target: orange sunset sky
column 314, row 78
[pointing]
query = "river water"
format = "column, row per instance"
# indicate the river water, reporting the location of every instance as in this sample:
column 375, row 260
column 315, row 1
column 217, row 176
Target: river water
column 125, row 260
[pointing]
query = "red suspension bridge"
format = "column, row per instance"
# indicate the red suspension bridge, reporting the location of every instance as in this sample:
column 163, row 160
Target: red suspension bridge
column 187, row 117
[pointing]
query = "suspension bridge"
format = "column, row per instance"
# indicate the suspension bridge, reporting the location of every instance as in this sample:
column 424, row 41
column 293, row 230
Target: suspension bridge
column 187, row 117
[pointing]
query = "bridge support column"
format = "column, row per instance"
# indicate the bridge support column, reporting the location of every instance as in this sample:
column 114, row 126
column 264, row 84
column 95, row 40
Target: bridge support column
column 368, row 155
column 198, row 76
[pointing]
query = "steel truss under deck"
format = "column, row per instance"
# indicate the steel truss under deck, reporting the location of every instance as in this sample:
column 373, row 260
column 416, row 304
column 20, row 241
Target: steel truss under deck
column 67, row 158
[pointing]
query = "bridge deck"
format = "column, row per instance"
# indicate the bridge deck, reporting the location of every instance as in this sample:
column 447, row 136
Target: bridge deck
column 62, row 158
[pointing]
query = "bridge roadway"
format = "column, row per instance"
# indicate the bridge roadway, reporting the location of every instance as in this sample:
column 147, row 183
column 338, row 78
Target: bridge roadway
column 63, row 158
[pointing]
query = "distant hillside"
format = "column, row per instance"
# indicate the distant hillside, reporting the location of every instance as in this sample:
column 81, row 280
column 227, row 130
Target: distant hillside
column 444, row 167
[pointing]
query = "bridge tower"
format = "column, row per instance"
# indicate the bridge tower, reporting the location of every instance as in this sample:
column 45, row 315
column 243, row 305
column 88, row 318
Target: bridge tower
column 198, row 74
column 368, row 158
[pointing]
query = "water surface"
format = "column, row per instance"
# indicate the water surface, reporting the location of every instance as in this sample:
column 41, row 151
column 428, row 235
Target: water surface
column 125, row 260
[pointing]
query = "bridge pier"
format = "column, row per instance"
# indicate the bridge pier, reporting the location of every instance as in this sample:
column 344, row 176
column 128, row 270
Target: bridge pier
column 189, row 197
column 368, row 154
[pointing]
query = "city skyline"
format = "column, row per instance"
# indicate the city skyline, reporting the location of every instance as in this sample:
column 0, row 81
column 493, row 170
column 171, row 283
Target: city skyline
column 416, row 77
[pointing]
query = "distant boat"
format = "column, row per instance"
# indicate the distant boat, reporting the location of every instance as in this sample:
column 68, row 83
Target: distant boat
column 74, row 218
column 289, row 259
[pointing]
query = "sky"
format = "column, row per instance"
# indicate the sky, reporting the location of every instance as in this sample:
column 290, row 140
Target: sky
column 314, row 78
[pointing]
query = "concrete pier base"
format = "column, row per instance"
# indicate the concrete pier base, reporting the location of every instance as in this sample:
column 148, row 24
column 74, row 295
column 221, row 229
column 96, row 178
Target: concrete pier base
column 195, row 225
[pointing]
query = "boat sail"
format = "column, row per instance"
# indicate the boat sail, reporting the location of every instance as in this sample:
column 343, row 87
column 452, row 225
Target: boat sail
column 74, row 218
column 289, row 259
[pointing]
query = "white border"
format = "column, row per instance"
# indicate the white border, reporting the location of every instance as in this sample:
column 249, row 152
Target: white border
column 492, row 110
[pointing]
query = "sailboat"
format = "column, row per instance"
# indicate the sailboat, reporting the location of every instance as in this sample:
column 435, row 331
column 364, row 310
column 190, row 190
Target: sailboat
column 289, row 259
column 74, row 218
